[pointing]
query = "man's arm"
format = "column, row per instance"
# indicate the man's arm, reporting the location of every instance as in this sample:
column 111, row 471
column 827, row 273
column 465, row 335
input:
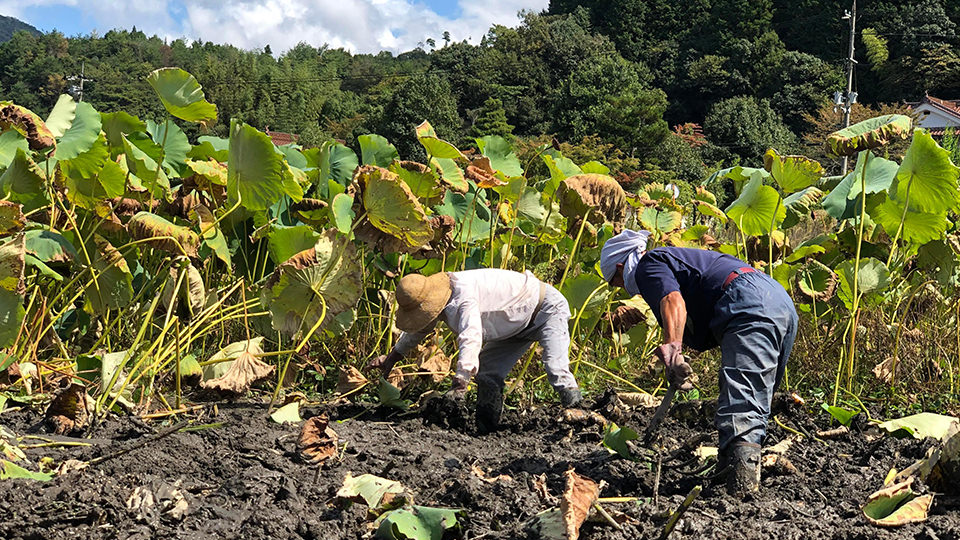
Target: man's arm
column 673, row 313
column 469, row 330
column 406, row 343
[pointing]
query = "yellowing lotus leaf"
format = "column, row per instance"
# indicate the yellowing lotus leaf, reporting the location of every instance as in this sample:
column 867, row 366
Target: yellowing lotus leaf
column 869, row 134
column 27, row 123
column 162, row 234
column 392, row 207
column 314, row 286
column 191, row 293
column 599, row 193
column 897, row 505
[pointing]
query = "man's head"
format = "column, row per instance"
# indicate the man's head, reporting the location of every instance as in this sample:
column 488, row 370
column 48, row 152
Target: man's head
column 617, row 250
column 420, row 299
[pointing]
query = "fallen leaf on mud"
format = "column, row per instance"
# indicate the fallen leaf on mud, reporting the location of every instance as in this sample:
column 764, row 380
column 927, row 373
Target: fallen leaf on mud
column 389, row 396
column 922, row 425
column 318, row 441
column 8, row 446
column 581, row 494
column 375, row 492
column 349, row 380
column 781, row 447
column 288, row 414
column 540, row 487
column 778, row 464
column 580, row 416
column 246, row 370
column 478, row 472
column 897, row 505
column 417, row 523
column 639, row 399
column 218, row 364
column 615, row 440
column 71, row 465
column 149, row 502
column 940, row 468
column 12, row 470
column 70, row 409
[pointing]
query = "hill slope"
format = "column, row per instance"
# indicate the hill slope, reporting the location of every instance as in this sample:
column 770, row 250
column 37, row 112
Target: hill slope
column 10, row 25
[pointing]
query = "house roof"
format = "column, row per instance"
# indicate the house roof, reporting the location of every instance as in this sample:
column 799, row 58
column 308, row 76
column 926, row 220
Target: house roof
column 280, row 138
column 949, row 106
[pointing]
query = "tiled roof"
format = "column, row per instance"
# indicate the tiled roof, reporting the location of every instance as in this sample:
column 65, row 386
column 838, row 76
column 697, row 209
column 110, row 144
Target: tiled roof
column 280, row 138
column 949, row 106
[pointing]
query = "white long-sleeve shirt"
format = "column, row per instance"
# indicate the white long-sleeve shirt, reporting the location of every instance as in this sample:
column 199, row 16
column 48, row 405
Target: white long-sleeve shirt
column 485, row 305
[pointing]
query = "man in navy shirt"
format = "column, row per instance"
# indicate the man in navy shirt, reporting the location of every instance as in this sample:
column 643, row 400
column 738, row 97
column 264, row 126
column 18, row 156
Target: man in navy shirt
column 703, row 299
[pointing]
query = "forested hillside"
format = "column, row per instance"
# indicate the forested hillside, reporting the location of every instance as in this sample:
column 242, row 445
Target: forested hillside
column 10, row 26
column 624, row 78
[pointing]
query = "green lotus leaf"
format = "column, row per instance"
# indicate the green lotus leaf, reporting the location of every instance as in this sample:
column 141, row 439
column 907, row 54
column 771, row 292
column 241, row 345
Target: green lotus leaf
column 61, row 116
column 800, row 204
column 334, row 161
column 89, row 163
column 377, row 150
column 211, row 171
column 389, row 396
column 873, row 277
column 285, row 242
column 117, row 124
column 392, row 207
column 322, row 281
column 10, row 142
column 843, row 202
column 144, row 166
column 702, row 195
column 869, row 134
column 560, row 168
column 804, row 251
column 758, row 209
column 792, row 173
column 844, row 416
column 113, row 286
column 939, row 259
column 615, row 440
column 897, row 505
column 587, row 295
column 294, row 157
column 927, row 179
column 662, row 221
column 49, row 247
column 435, row 146
column 173, row 141
column 212, row 237
column 694, row 233
column 182, row 96
column 368, row 489
column 27, row 124
column 11, row 217
column 418, row 523
column 341, row 212
column 512, row 190
column 917, row 227
column 536, row 218
column 594, row 167
column 92, row 191
column 419, row 178
column 9, row 470
column 739, row 175
column 215, row 148
column 817, row 281
column 450, row 173
column 163, row 235
column 82, row 134
column 922, row 425
column 501, row 155
column 254, row 170
column 711, row 210
column 293, row 182
column 24, row 182
column 12, row 288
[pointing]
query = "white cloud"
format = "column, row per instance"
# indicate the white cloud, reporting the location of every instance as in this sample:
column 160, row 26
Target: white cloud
column 357, row 25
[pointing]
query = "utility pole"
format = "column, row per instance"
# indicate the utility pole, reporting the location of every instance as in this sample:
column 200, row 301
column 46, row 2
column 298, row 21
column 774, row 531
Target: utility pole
column 850, row 97
column 83, row 67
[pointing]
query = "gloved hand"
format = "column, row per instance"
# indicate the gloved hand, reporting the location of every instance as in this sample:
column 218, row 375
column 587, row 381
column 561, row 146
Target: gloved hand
column 458, row 388
column 677, row 369
column 384, row 362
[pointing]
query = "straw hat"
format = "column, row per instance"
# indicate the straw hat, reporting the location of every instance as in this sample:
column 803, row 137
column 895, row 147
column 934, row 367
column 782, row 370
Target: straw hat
column 421, row 299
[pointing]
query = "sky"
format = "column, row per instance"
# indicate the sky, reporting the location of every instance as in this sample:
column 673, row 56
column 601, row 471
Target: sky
column 357, row 25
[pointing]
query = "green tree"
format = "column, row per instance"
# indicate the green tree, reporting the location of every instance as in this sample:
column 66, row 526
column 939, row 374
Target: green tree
column 492, row 120
column 747, row 127
column 422, row 97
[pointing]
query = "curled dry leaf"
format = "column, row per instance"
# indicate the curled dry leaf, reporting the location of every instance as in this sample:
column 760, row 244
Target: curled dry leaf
column 897, row 505
column 27, row 123
column 70, row 409
column 432, row 360
column 318, row 441
column 579, row 496
column 580, row 416
column 191, row 294
column 479, row 473
column 540, row 487
column 246, row 370
column 639, row 399
column 481, row 171
column 597, row 192
column 350, row 380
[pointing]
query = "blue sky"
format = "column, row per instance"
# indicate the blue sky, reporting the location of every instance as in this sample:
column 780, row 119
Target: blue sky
column 358, row 25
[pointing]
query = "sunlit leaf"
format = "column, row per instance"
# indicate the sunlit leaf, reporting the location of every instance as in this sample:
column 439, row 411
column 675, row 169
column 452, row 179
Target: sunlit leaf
column 872, row 277
column 182, row 95
column 800, row 204
column 173, row 141
column 389, row 396
column 758, row 209
column 117, row 124
column 392, row 208
column 501, row 155
column 26, row 123
column 285, row 242
column 417, row 523
column 341, row 212
column 81, row 135
column 10, row 142
column 927, row 179
column 61, row 116
column 896, row 506
column 113, row 286
column 450, row 173
column 662, row 221
column 914, row 226
column 371, row 490
column 254, row 170
column 24, row 182
column 844, row 416
column 377, row 150
column 435, row 146
column 12, row 288
column 869, row 134
column 162, row 234
column 792, row 173
column 921, row 425
column 288, row 414
column 419, row 178
column 615, row 440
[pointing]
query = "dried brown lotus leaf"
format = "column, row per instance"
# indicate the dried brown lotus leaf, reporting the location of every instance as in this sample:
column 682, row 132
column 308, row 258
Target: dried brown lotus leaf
column 11, row 217
column 639, row 399
column 433, row 362
column 395, row 377
column 350, row 379
column 318, row 442
column 579, row 496
column 599, row 192
column 70, row 409
column 27, row 124
column 246, row 370
column 481, row 171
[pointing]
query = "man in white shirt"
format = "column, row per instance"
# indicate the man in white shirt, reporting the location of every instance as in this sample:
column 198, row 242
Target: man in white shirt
column 496, row 315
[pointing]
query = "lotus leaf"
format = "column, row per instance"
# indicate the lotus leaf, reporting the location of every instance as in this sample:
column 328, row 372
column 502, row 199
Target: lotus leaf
column 174, row 144
column 212, row 236
column 220, row 362
column 594, row 167
column 93, row 192
column 538, row 215
column 163, row 235
column 597, row 192
column 377, row 150
column 800, row 204
column 501, row 155
column 481, row 172
column 739, row 175
column 243, row 372
column 254, row 170
column 341, row 212
column 11, row 217
column 317, row 442
column 939, row 259
column 215, row 148
column 792, row 173
column 314, row 285
column 417, row 523
column 391, row 206
column 288, row 414
column 451, row 174
column 182, row 95
column 711, row 210
column 141, row 164
column 869, row 134
column 927, row 179
column 419, row 178
column 285, row 242
column 922, row 425
column 375, row 492
column 816, row 280
column 24, row 182
column 350, row 379
column 113, row 286
column 117, row 124
column 26, row 123
column 872, row 277
column 70, row 409
column 82, row 133
column 61, row 116
column 435, row 146
column 844, row 416
column 10, row 470
column 211, row 171
column 580, row 495
column 897, row 505
column 336, row 162
column 661, row 221
column 192, row 294
column 12, row 288
column 10, row 142
column 560, row 168
column 389, row 394
column 587, row 295
column 615, row 440
column 702, row 195
column 843, row 201
column 914, row 226
column 758, row 209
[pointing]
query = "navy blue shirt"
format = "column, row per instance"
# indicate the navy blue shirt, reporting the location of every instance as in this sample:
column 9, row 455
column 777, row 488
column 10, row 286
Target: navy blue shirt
column 698, row 275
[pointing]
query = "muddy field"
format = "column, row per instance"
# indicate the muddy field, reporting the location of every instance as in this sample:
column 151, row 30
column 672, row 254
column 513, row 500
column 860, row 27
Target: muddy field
column 242, row 477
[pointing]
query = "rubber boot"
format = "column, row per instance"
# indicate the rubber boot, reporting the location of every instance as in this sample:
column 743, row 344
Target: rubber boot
column 742, row 461
column 570, row 397
column 489, row 405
